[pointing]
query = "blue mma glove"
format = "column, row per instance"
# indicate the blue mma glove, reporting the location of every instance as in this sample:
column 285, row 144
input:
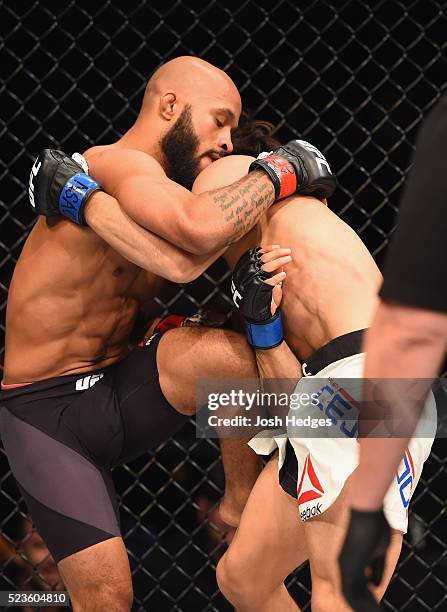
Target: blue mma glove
column 59, row 186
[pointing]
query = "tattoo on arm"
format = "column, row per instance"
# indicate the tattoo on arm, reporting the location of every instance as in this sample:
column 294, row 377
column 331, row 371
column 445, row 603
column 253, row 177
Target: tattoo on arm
column 244, row 202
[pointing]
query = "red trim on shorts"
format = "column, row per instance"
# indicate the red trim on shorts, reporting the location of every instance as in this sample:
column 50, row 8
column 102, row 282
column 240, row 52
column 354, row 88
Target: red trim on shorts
column 410, row 459
column 14, row 386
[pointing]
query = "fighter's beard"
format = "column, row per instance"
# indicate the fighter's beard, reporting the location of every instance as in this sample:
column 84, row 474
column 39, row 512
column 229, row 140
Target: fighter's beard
column 179, row 147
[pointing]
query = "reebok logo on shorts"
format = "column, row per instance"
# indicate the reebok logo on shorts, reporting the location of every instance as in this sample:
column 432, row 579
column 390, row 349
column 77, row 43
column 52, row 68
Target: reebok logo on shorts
column 310, row 512
column 310, row 487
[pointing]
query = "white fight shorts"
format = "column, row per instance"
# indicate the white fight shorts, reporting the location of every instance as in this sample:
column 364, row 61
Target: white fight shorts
column 314, row 466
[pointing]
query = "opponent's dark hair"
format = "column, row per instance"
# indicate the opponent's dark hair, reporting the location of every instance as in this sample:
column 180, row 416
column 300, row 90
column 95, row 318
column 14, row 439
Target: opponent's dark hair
column 253, row 137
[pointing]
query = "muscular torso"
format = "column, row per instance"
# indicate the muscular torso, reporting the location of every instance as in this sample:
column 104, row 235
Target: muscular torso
column 72, row 302
column 332, row 283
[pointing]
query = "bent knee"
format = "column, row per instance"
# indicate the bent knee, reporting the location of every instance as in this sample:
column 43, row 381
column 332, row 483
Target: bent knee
column 111, row 597
column 187, row 410
column 227, row 576
column 237, row 356
column 239, row 581
column 233, row 579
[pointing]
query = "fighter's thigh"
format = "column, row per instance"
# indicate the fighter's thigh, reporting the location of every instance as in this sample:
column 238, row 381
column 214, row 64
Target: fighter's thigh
column 70, row 498
column 269, row 542
column 98, row 577
column 187, row 354
column 324, row 537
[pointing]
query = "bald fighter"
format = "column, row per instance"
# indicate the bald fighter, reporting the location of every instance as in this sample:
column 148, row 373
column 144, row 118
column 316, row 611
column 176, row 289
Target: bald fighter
column 329, row 296
column 75, row 395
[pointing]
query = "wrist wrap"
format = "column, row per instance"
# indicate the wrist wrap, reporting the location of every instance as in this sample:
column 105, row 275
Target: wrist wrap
column 265, row 335
column 281, row 173
column 74, row 195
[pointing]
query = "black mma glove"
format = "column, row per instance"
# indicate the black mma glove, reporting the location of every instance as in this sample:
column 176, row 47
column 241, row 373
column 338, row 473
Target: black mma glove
column 298, row 167
column 59, row 186
column 364, row 547
column 254, row 297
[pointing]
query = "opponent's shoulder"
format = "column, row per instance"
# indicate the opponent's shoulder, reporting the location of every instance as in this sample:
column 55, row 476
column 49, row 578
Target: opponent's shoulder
column 222, row 173
column 305, row 218
column 300, row 209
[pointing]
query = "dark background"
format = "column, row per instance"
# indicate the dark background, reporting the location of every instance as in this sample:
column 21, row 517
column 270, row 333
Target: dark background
column 353, row 78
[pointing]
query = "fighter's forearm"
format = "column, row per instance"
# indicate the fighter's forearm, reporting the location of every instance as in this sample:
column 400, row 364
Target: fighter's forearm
column 222, row 216
column 198, row 224
column 403, row 344
column 278, row 362
column 142, row 247
column 280, row 371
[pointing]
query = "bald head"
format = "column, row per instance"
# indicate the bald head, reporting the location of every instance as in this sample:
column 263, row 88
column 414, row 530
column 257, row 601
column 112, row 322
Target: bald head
column 190, row 78
column 189, row 110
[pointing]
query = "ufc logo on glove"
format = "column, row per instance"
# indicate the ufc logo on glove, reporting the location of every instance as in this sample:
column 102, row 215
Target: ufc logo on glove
column 319, row 157
column 236, row 295
column 34, row 170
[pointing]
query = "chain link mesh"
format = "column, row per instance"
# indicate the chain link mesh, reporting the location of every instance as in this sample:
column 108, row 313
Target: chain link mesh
column 355, row 78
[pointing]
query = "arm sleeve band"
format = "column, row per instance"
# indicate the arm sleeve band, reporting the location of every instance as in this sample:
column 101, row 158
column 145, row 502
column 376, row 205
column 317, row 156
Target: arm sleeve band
column 75, row 194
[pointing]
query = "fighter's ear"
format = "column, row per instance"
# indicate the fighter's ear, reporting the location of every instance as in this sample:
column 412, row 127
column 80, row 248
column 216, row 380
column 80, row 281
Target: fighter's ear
column 168, row 105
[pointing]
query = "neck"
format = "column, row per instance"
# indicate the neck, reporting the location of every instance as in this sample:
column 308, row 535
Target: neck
column 142, row 138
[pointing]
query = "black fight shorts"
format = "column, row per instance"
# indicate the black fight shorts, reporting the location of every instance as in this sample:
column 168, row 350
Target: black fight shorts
column 63, row 435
